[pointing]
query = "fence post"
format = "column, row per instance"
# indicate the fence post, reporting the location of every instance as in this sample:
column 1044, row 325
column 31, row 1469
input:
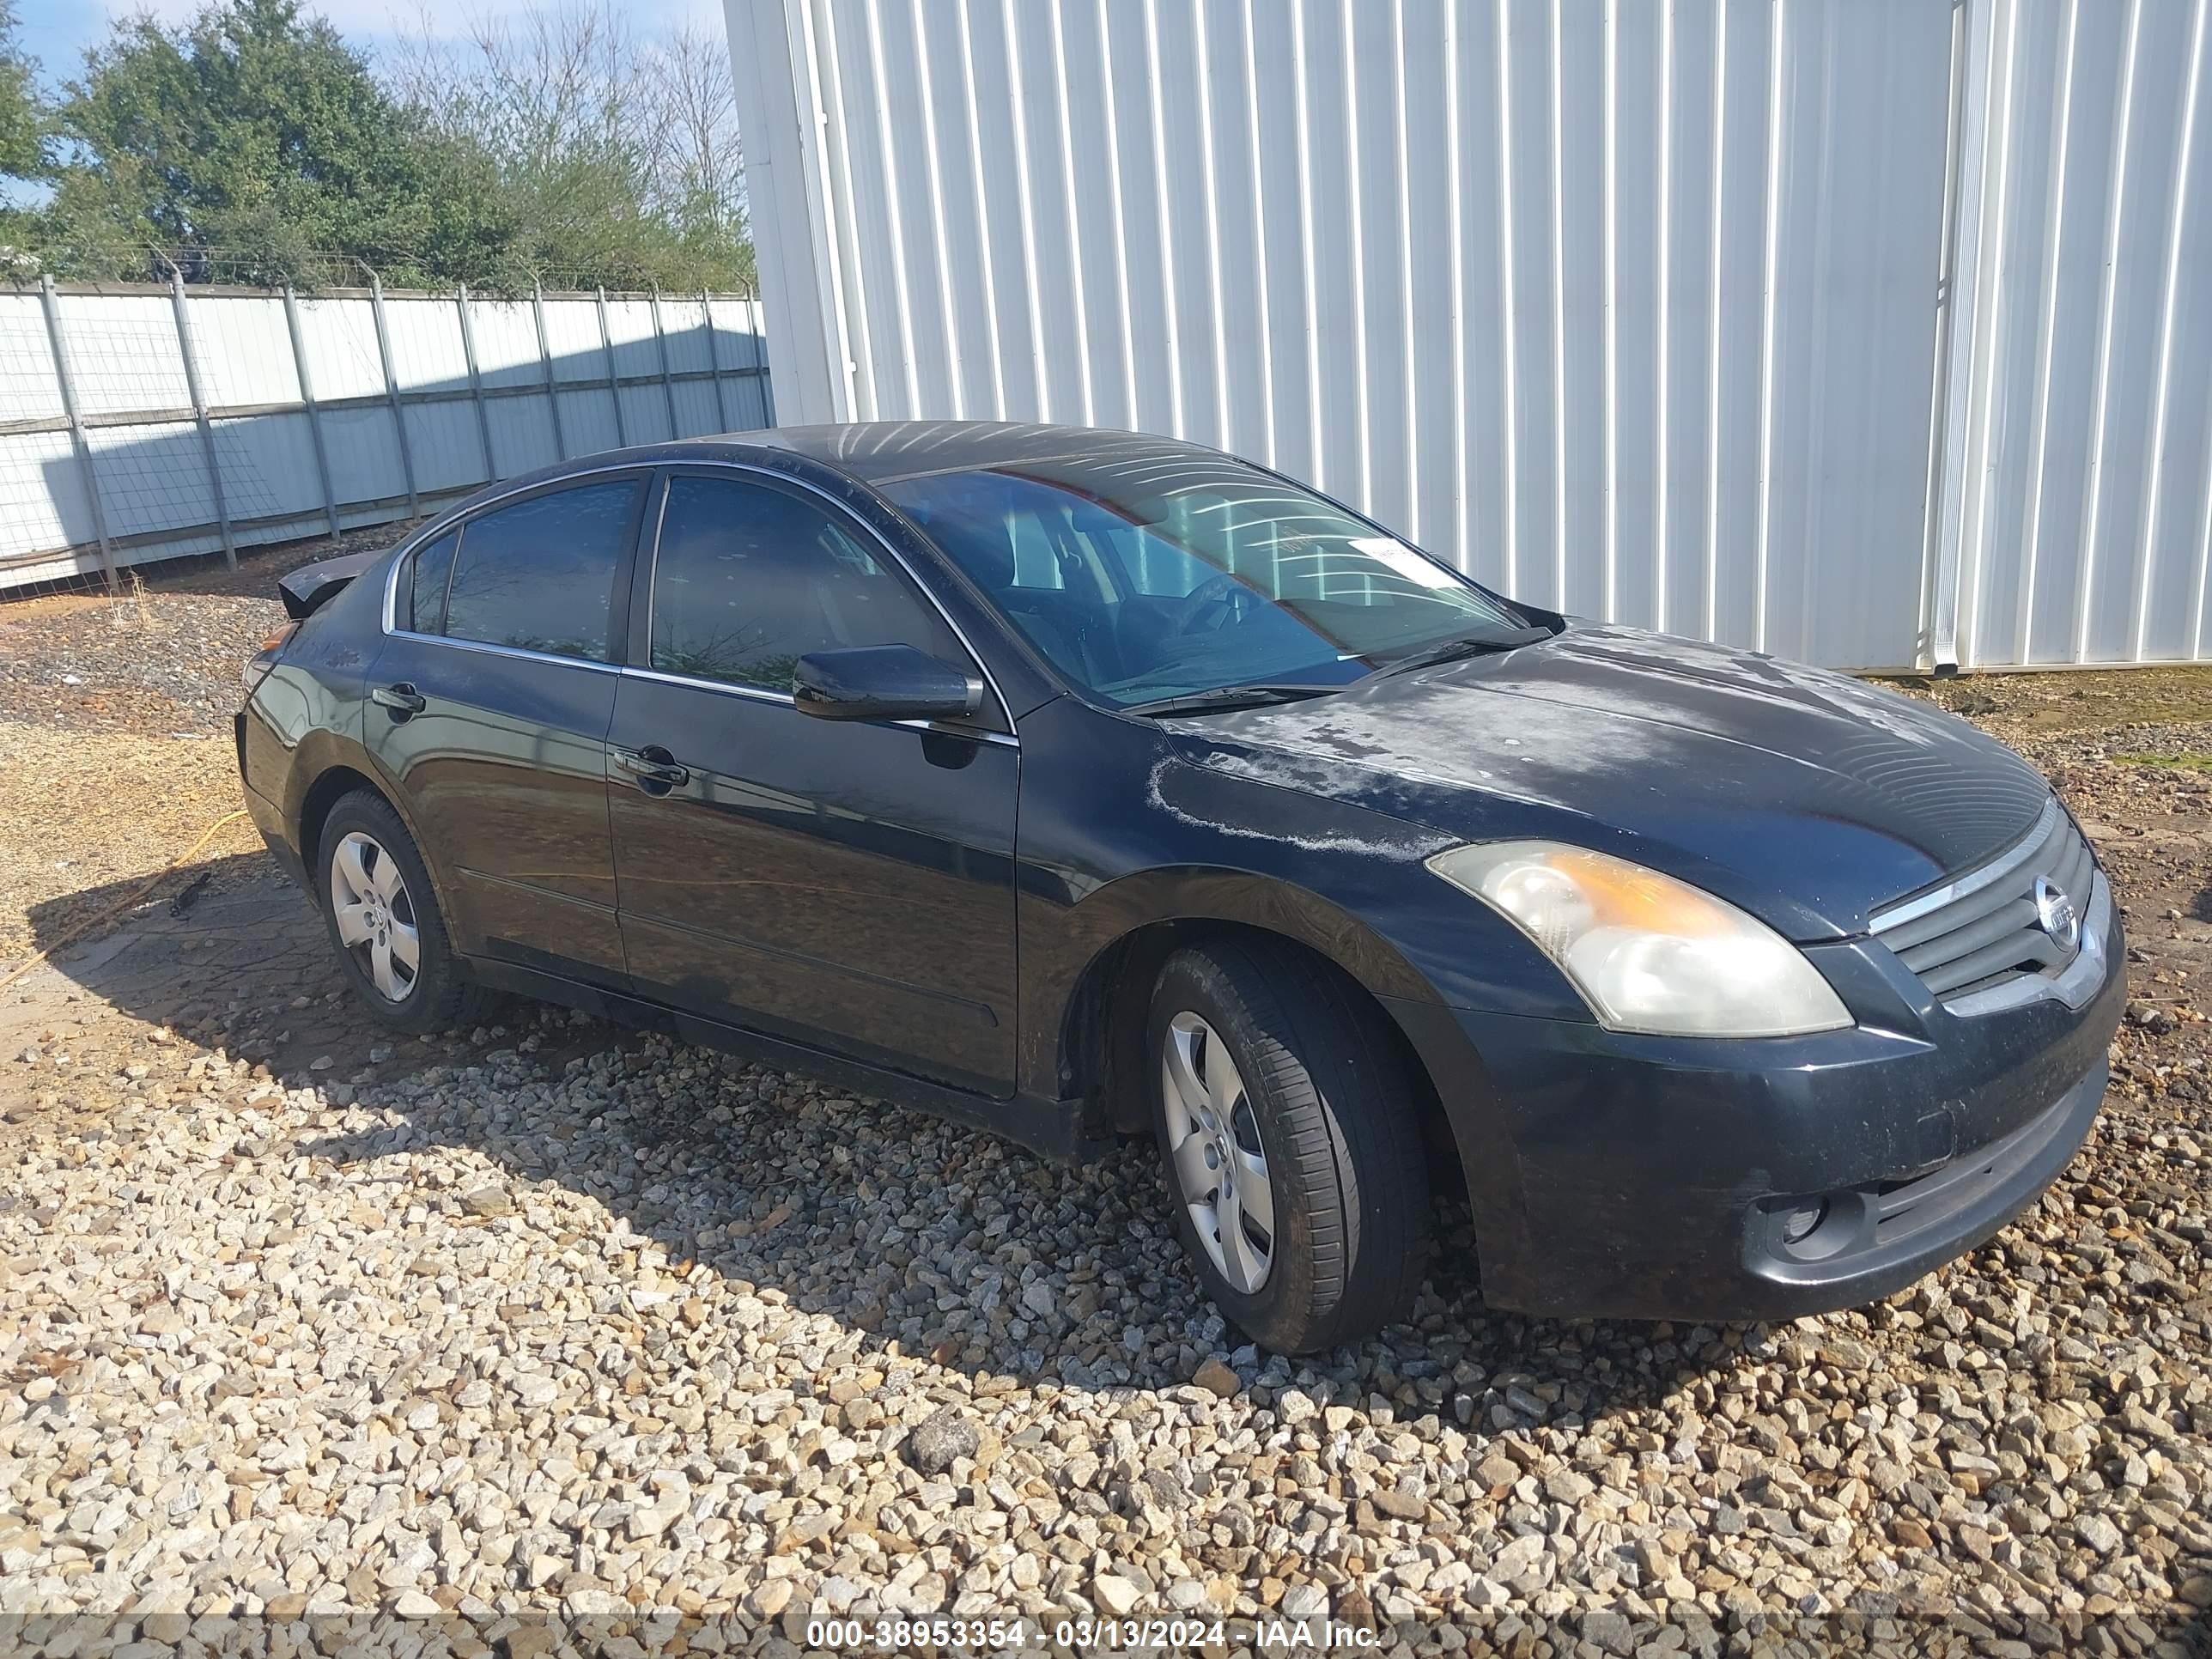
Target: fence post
column 307, row 401
column 545, row 359
column 200, row 415
column 392, row 395
column 715, row 358
column 758, row 328
column 77, row 431
column 667, row 386
column 614, row 380
column 476, row 382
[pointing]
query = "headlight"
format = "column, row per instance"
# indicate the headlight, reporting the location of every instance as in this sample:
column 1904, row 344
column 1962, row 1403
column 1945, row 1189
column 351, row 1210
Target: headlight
column 1648, row 953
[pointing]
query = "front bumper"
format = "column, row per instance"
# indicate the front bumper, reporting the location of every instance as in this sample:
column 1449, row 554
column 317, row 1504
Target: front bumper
column 1624, row 1176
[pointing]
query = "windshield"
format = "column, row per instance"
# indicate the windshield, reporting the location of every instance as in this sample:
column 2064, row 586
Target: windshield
column 1179, row 574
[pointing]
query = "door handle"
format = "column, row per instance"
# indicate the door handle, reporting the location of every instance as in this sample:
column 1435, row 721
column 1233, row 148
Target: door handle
column 653, row 769
column 402, row 700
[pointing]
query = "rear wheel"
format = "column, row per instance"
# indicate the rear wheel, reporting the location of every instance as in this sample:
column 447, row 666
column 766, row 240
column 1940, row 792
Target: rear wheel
column 383, row 916
column 1293, row 1154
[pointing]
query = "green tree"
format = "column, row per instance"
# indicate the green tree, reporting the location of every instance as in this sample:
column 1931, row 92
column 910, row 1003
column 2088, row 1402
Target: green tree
column 256, row 133
column 253, row 144
column 616, row 154
column 22, row 121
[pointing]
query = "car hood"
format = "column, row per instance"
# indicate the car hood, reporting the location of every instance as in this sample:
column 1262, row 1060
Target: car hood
column 1807, row 798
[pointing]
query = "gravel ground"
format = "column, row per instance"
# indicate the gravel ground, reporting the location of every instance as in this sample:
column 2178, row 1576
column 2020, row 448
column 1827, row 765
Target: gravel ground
column 163, row 657
column 546, row 1321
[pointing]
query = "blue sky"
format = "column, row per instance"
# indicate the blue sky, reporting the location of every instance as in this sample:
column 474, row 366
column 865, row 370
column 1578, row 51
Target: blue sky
column 57, row 32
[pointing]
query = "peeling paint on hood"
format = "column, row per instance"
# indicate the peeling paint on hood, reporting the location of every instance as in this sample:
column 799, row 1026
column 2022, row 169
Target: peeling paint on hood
column 1809, row 797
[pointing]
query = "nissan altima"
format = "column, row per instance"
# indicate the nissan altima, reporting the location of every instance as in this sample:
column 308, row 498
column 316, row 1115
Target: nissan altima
column 1073, row 784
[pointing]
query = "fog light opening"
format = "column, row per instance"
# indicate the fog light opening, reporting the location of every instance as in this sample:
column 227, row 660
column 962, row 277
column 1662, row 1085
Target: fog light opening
column 1799, row 1223
column 1815, row 1226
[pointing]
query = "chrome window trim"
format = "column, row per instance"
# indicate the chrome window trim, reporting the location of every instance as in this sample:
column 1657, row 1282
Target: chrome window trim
column 699, row 683
column 407, row 550
column 2082, row 980
column 785, row 699
column 667, row 482
column 2004, row 863
column 514, row 651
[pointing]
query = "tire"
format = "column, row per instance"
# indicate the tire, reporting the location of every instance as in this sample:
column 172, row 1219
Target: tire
column 365, row 855
column 1317, row 1088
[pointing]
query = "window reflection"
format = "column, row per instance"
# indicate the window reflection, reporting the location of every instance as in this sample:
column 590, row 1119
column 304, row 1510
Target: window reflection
column 749, row 579
column 539, row 575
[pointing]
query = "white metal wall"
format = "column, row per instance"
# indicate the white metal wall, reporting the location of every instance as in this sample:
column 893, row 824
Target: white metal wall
column 1869, row 332
column 1626, row 307
column 322, row 430
column 2077, row 517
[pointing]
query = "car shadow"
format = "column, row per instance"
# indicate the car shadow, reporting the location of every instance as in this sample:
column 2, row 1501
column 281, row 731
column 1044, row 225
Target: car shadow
column 248, row 967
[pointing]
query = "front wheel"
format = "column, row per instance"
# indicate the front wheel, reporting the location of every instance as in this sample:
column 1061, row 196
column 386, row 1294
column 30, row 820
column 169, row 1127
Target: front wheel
column 383, row 916
column 1292, row 1151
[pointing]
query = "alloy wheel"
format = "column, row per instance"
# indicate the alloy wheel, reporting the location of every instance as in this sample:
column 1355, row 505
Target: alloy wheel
column 1214, row 1147
column 375, row 915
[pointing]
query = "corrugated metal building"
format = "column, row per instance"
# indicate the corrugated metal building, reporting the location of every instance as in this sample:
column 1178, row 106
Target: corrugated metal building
column 1876, row 332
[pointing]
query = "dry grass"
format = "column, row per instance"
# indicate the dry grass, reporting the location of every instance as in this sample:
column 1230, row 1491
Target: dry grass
column 2015, row 706
column 81, row 811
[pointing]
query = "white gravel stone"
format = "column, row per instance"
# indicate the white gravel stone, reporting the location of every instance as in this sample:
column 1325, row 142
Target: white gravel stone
column 1114, row 1595
column 1306, row 1602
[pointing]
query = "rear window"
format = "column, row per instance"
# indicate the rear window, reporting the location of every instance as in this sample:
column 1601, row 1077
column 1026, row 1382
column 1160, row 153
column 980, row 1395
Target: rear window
column 540, row 575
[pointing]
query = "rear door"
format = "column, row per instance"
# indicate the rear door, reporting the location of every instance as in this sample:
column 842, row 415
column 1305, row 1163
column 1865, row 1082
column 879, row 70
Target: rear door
column 842, row 883
column 489, row 707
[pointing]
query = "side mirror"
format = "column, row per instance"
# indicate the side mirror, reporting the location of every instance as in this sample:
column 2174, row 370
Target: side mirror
column 881, row 683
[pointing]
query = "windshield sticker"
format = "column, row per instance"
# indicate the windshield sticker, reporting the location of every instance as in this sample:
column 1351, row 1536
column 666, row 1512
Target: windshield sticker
column 1421, row 572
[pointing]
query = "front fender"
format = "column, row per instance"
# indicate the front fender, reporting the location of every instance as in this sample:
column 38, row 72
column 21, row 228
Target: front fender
column 1119, row 833
column 1062, row 949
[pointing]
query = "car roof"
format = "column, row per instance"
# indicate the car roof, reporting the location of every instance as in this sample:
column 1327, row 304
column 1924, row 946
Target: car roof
column 873, row 452
column 881, row 452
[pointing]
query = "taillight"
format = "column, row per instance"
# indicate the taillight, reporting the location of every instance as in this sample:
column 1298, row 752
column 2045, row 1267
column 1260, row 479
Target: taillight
column 264, row 657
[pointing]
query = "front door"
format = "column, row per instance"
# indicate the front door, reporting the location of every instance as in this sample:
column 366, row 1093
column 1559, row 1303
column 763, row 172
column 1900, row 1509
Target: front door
column 490, row 703
column 841, row 884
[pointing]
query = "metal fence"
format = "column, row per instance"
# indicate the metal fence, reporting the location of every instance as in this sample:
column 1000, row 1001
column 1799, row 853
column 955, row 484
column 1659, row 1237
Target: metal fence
column 144, row 423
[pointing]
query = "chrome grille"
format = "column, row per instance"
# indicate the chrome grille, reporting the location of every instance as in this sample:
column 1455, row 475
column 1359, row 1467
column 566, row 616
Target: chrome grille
column 1980, row 933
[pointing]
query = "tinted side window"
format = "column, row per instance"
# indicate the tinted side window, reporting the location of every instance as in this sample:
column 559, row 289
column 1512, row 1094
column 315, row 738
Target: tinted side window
column 539, row 575
column 425, row 612
column 749, row 579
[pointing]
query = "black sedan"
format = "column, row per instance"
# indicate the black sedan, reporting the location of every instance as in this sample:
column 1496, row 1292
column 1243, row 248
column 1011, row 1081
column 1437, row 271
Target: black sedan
column 1070, row 783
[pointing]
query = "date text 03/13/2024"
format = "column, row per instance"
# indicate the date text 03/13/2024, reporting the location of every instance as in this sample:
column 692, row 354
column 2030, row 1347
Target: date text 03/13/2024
column 992, row 1635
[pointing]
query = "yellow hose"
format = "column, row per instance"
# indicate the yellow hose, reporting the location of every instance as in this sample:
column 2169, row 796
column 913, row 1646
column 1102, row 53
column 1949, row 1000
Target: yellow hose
column 121, row 905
